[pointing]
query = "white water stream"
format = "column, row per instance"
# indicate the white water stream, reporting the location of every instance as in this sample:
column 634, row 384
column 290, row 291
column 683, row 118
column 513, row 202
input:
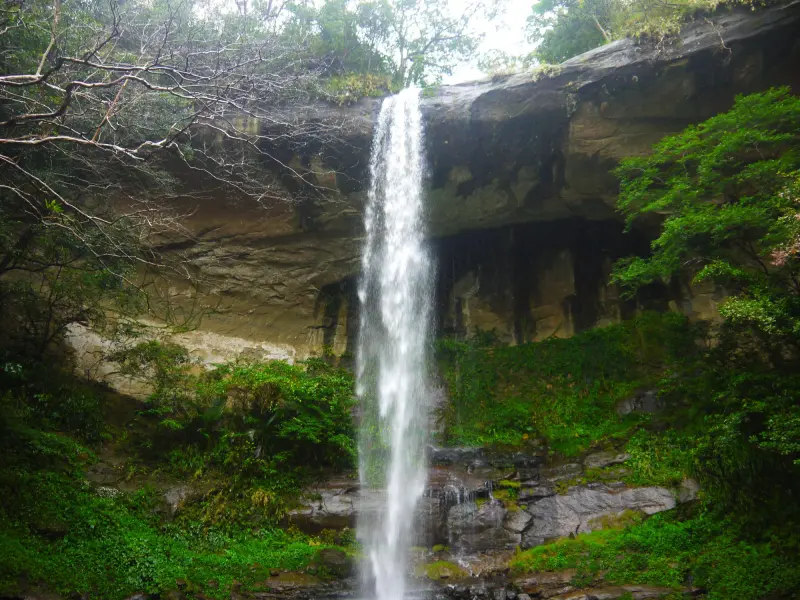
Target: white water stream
column 395, row 295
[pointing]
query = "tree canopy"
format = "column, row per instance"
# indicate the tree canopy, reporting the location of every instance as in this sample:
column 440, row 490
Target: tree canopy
column 412, row 42
column 728, row 193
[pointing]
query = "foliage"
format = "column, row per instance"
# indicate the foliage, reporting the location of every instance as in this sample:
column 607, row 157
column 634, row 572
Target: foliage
column 564, row 390
column 343, row 39
column 39, row 396
column 410, row 41
column 166, row 367
column 99, row 542
column 50, row 280
column 662, row 459
column 727, row 191
column 267, row 421
column 427, row 37
column 299, row 415
column 57, row 530
column 665, row 551
column 349, row 88
column 565, row 28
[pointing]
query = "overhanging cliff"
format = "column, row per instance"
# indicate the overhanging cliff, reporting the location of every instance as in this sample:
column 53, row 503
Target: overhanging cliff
column 521, row 194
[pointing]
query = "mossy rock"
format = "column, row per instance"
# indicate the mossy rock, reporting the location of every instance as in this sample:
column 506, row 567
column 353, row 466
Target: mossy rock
column 441, row 569
column 336, row 562
column 508, row 484
column 621, row 520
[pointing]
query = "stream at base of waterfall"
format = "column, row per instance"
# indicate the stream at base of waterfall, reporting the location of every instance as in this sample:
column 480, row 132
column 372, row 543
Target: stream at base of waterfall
column 395, row 292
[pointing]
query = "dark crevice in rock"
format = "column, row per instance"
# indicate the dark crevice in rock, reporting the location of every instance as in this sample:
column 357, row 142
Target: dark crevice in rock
column 545, row 277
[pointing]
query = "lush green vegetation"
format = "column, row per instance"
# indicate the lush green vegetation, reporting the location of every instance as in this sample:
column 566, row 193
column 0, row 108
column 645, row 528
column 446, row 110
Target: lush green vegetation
column 247, row 435
column 666, row 550
column 562, row 390
column 726, row 192
column 261, row 417
column 56, row 529
column 250, row 455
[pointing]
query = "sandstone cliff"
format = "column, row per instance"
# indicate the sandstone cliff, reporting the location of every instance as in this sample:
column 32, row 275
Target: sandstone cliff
column 520, row 196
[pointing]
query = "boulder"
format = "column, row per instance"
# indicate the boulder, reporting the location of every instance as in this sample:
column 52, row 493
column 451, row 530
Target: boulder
column 646, row 402
column 334, row 505
column 517, row 521
column 335, row 561
column 574, row 512
column 635, row 592
column 688, row 491
column 534, row 490
column 473, row 528
column 546, row 585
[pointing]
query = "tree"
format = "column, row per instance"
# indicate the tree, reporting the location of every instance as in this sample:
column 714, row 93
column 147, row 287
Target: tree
column 410, row 41
column 728, row 193
column 105, row 109
column 565, row 28
column 338, row 38
column 425, row 39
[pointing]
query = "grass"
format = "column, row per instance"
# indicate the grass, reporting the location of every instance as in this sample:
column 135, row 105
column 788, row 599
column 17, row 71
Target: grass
column 666, row 551
column 62, row 533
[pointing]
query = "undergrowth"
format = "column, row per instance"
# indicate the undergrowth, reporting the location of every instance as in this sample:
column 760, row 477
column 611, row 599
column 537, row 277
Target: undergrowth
column 562, row 390
column 57, row 530
column 248, row 435
column 666, row 551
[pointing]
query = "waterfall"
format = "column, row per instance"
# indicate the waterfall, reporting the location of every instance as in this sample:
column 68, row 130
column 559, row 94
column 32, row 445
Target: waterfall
column 395, row 295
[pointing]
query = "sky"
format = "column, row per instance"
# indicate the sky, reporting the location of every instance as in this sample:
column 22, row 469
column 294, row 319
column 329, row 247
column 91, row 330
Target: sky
column 506, row 33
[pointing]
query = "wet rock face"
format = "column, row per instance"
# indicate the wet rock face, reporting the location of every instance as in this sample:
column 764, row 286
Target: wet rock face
column 474, row 521
column 335, row 505
column 472, row 507
column 478, row 528
column 599, row 460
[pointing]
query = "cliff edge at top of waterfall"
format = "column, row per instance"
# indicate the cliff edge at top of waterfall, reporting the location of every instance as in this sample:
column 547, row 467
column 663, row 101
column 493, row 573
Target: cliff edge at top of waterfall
column 549, row 89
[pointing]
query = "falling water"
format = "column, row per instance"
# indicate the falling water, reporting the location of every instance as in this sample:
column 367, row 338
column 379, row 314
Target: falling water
column 394, row 292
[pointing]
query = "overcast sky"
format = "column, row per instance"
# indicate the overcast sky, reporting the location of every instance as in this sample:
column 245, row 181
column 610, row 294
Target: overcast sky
column 506, row 33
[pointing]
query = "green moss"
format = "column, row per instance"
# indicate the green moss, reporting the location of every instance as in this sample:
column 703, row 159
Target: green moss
column 618, row 521
column 440, row 548
column 441, row 570
column 507, row 483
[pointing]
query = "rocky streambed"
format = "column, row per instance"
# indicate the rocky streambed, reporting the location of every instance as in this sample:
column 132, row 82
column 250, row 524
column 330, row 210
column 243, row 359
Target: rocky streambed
column 477, row 501
column 480, row 507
